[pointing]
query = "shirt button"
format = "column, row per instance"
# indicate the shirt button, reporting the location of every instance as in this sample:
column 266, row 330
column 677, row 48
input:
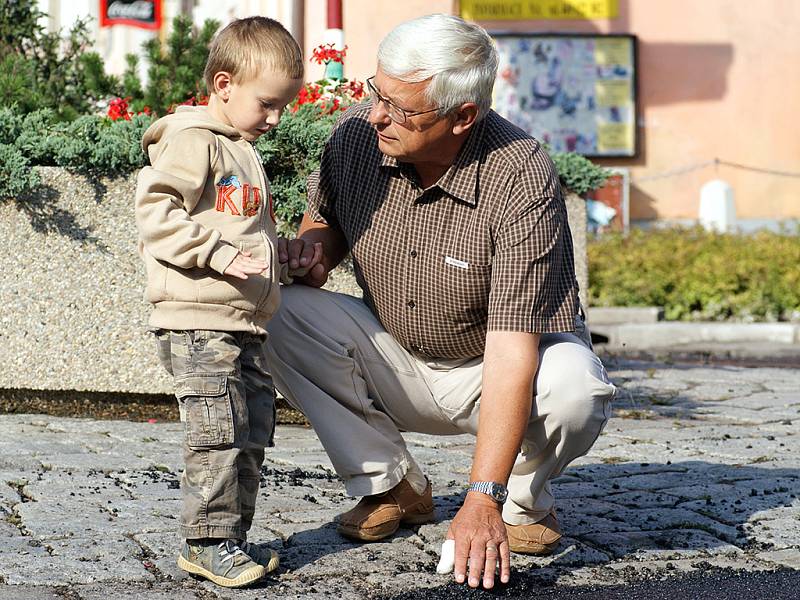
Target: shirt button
column 413, row 254
column 411, row 304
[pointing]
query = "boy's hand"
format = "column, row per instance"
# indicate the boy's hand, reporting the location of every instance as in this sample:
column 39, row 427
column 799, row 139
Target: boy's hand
column 304, row 260
column 242, row 266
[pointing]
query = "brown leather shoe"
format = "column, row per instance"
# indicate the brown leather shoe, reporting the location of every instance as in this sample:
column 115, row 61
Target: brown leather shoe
column 539, row 538
column 377, row 517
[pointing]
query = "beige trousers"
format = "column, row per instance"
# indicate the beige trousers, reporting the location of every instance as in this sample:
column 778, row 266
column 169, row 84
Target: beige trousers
column 332, row 360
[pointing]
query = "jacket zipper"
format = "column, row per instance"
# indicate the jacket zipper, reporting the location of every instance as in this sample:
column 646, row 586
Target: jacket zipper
column 261, row 220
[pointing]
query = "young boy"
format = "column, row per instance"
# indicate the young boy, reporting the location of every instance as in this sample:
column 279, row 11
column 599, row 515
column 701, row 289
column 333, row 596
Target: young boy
column 207, row 236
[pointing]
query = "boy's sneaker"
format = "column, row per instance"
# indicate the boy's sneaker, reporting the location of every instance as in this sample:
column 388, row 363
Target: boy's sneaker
column 225, row 563
column 266, row 557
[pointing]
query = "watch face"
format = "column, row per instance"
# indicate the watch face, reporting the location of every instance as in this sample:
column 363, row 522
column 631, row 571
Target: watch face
column 499, row 492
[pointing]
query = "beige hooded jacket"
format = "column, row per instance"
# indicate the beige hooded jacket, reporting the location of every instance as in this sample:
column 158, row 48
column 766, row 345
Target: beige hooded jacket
column 204, row 198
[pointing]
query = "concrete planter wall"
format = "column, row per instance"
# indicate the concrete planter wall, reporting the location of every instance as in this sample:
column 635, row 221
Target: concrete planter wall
column 73, row 316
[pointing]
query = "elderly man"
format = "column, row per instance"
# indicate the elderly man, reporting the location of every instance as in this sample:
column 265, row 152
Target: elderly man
column 470, row 319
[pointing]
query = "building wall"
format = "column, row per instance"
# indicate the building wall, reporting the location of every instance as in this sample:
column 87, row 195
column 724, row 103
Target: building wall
column 717, row 80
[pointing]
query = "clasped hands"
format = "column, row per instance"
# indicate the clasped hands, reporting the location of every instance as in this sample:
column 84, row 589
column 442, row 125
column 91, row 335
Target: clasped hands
column 304, row 260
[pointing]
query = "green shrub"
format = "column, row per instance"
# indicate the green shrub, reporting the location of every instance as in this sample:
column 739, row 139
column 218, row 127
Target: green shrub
column 88, row 143
column 577, row 173
column 16, row 176
column 696, row 275
column 175, row 70
column 42, row 70
column 290, row 153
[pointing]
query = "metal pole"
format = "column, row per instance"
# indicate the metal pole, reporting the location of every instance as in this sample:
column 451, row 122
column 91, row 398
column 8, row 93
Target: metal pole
column 334, row 34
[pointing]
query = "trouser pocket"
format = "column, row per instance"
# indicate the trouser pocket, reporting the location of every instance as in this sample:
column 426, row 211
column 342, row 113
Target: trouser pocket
column 205, row 401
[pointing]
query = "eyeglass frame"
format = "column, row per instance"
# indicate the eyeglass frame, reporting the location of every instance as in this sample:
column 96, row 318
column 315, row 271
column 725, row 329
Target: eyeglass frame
column 389, row 104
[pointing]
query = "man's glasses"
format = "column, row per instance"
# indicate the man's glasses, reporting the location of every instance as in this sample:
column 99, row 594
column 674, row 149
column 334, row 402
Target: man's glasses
column 396, row 114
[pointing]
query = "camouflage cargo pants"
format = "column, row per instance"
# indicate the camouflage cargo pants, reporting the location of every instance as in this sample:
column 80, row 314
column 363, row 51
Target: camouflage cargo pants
column 227, row 403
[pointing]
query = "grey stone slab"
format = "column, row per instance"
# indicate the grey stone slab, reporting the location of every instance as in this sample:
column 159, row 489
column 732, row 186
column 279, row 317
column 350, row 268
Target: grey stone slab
column 29, row 592
column 788, row 557
column 623, row 571
column 76, row 561
column 778, row 527
column 665, row 544
column 161, row 550
column 154, row 591
column 340, row 587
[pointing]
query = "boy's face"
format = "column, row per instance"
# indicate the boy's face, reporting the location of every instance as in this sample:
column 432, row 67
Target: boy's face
column 254, row 106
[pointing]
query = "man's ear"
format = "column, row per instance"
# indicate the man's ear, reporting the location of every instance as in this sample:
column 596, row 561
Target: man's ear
column 222, row 84
column 465, row 118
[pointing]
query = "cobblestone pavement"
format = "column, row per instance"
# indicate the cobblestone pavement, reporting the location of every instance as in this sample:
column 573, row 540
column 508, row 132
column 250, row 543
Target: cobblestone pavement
column 698, row 469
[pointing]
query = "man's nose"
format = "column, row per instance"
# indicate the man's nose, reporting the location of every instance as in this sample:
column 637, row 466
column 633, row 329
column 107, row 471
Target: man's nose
column 378, row 115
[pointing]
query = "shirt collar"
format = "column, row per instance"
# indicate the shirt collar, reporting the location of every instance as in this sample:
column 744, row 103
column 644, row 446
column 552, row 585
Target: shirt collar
column 461, row 180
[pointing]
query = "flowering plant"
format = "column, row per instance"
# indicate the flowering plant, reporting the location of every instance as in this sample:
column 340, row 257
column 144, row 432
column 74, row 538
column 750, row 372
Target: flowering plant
column 329, row 94
column 118, row 109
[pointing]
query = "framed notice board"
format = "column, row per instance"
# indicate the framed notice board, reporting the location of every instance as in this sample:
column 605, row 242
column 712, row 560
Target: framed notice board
column 576, row 92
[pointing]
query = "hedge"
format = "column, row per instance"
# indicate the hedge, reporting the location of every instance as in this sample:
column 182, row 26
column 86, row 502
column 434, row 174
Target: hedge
column 699, row 276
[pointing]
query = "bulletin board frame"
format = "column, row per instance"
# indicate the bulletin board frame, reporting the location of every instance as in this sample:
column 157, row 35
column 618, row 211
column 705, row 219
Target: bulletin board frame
column 578, row 92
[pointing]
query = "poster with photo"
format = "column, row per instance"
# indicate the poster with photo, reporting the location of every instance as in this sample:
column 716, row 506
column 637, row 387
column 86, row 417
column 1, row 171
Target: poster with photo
column 575, row 92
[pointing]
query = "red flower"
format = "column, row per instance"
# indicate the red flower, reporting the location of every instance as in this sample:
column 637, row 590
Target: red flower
column 325, row 53
column 118, row 109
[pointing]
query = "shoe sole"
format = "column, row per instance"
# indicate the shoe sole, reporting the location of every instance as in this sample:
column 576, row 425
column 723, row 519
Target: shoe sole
column 248, row 577
column 365, row 536
column 539, row 550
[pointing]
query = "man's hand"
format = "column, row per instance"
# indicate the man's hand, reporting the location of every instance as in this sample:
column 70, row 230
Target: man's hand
column 480, row 536
column 242, row 266
column 304, row 259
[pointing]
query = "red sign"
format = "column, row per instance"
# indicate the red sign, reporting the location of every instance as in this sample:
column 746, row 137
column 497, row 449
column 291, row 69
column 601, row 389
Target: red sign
column 145, row 14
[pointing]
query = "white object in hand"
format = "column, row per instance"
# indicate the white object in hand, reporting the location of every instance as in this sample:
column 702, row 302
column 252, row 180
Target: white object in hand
column 448, row 560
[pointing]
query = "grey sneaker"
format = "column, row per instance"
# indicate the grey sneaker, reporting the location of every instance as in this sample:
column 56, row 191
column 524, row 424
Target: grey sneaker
column 225, row 564
column 266, row 557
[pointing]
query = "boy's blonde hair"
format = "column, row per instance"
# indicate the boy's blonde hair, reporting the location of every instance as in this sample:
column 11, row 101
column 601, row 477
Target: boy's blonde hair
column 245, row 46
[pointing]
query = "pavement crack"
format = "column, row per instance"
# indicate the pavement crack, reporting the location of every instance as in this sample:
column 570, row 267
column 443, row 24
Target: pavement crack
column 148, row 560
column 14, row 517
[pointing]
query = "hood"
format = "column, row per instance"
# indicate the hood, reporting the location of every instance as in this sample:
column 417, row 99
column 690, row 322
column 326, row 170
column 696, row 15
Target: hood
column 184, row 117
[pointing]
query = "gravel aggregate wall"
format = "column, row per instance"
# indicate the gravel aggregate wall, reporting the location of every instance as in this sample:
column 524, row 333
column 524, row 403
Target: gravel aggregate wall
column 74, row 314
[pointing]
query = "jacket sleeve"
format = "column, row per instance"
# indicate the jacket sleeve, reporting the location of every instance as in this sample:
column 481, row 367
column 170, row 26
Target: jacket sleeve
column 168, row 192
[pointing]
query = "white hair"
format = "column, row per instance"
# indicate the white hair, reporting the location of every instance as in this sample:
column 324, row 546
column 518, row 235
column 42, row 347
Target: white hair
column 458, row 57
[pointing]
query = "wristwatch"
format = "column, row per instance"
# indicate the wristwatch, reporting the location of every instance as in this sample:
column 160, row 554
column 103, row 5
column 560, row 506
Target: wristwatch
column 496, row 491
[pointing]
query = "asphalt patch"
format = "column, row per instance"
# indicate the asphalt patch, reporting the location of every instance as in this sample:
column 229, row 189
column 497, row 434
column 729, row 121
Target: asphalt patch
column 716, row 584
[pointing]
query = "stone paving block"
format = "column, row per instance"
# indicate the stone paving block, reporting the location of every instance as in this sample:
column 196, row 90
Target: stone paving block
column 161, row 550
column 779, row 527
column 155, row 591
column 626, row 570
column 744, row 504
column 29, row 592
column 75, row 561
column 384, row 587
column 463, row 442
column 663, row 544
column 765, row 401
column 789, row 557
column 291, row 589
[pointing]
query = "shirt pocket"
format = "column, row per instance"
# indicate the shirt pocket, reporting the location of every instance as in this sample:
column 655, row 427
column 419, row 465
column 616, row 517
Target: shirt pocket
column 205, row 401
column 466, row 291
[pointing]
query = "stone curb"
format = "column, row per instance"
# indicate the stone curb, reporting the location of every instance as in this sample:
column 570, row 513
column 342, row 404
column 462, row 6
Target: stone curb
column 668, row 334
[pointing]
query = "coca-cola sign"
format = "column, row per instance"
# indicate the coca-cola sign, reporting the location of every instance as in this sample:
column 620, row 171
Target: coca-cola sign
column 136, row 13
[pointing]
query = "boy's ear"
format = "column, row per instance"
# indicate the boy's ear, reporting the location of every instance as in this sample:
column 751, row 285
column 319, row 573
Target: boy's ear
column 222, row 84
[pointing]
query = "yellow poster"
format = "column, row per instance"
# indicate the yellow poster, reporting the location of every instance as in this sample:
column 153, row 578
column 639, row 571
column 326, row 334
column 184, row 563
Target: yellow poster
column 613, row 92
column 494, row 10
column 615, row 138
column 612, row 51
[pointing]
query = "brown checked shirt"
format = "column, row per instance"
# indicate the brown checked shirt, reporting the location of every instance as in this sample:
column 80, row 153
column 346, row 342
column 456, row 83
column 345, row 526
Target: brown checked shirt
column 487, row 247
